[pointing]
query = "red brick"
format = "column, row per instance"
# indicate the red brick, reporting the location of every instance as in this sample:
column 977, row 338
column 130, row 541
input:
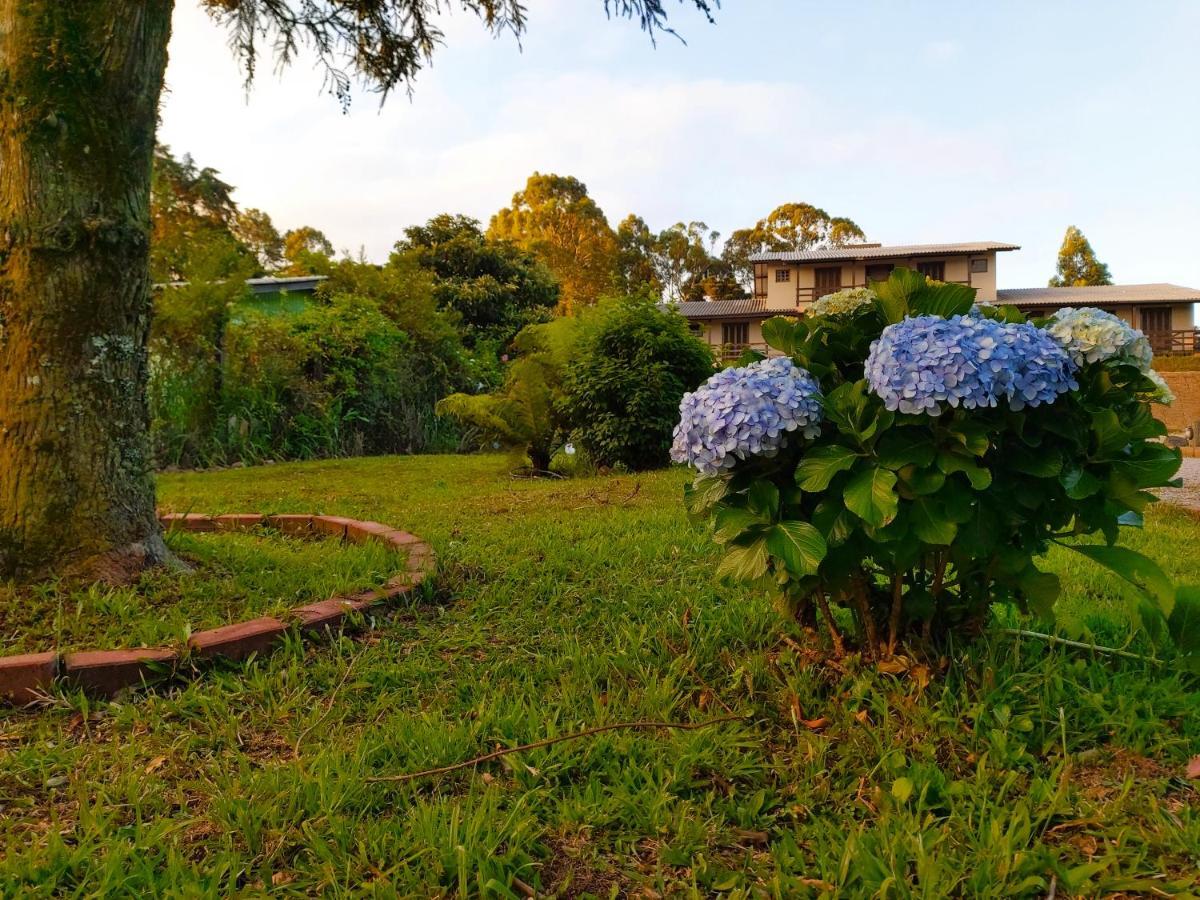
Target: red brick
column 397, row 587
column 105, row 672
column 401, row 539
column 364, row 531
column 332, row 525
column 1185, row 410
column 188, row 521
column 238, row 521
column 421, row 559
column 24, row 678
column 292, row 525
column 322, row 615
column 237, row 641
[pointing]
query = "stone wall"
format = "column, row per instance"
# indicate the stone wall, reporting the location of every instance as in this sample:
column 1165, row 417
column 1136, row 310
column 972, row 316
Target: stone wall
column 1186, row 408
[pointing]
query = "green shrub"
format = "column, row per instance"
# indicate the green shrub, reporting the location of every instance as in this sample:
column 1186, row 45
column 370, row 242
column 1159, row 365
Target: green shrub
column 912, row 456
column 631, row 363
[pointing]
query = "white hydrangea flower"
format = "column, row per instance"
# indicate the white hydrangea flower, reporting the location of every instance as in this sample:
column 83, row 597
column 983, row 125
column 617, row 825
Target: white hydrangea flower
column 1164, row 394
column 1093, row 335
column 843, row 302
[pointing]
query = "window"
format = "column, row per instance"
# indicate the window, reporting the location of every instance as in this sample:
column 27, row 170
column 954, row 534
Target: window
column 827, row 280
column 934, row 270
column 1156, row 319
column 782, row 275
column 879, row 272
column 735, row 334
column 696, row 328
column 979, row 266
column 760, row 279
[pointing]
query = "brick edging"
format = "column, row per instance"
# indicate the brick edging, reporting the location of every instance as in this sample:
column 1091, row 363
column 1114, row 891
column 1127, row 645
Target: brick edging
column 27, row 677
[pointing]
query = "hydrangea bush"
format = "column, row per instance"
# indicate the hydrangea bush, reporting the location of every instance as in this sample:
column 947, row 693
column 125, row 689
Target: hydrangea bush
column 844, row 302
column 909, row 459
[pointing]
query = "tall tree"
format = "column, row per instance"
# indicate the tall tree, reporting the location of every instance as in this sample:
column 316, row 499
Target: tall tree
column 307, row 251
column 192, row 210
column 82, row 82
column 257, row 232
column 495, row 287
column 683, row 259
column 636, row 248
column 792, row 226
column 1077, row 263
column 554, row 218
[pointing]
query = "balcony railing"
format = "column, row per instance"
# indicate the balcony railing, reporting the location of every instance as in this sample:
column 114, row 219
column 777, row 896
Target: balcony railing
column 1178, row 342
column 730, row 352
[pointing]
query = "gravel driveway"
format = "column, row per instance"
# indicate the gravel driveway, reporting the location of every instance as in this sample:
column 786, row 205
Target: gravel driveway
column 1189, row 494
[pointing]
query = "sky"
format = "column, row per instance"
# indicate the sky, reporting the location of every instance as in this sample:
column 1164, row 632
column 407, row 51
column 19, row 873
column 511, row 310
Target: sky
column 922, row 121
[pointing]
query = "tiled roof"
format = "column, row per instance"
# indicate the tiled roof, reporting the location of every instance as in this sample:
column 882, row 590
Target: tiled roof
column 746, row 308
column 853, row 252
column 1098, row 295
column 301, row 283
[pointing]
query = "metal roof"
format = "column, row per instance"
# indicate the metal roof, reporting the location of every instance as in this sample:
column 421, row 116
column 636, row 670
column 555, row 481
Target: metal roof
column 746, row 308
column 295, row 283
column 852, row 252
column 1098, row 295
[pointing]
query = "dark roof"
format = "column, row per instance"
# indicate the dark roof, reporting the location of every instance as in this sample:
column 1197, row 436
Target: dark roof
column 853, row 252
column 294, row 284
column 1098, row 295
column 746, row 308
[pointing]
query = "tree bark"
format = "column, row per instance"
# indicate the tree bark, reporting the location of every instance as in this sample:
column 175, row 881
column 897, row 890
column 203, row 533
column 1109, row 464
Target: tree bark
column 79, row 89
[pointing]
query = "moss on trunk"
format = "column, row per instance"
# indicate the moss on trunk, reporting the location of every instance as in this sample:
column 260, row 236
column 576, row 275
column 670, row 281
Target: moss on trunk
column 79, row 90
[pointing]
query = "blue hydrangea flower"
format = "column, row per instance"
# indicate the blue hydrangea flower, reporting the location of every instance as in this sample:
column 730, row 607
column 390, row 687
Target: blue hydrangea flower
column 926, row 363
column 1093, row 335
column 744, row 412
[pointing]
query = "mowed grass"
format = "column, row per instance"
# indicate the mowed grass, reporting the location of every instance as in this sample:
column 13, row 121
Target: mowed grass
column 1024, row 769
column 233, row 576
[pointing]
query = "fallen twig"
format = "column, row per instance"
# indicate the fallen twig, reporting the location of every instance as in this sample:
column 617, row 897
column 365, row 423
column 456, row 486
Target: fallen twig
column 547, row 742
column 1082, row 645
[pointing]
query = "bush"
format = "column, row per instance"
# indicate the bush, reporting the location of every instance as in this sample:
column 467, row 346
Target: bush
column 912, row 455
column 358, row 371
column 631, row 363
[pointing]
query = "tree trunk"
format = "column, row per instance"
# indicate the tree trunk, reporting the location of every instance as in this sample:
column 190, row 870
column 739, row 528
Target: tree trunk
column 79, row 88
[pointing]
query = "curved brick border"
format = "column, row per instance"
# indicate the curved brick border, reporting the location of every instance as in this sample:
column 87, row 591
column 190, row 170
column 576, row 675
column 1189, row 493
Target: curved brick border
column 26, row 678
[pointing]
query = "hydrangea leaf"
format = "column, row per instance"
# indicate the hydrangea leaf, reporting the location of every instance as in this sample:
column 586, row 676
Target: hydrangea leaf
column 820, row 465
column 902, row 447
column 1184, row 620
column 1140, row 571
column 930, row 522
column 732, row 521
column 1154, row 466
column 1079, row 483
column 871, row 495
column 745, row 562
column 799, row 545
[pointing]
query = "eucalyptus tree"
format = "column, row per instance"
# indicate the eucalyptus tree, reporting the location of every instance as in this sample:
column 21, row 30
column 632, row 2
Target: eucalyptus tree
column 81, row 83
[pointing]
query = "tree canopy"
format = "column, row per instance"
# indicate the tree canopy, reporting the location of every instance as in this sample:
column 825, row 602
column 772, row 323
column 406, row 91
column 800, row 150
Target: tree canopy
column 792, row 226
column 494, row 286
column 1077, row 263
column 554, row 219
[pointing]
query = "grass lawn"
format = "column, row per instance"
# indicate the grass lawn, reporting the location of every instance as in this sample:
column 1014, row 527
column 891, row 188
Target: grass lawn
column 562, row 605
column 233, row 576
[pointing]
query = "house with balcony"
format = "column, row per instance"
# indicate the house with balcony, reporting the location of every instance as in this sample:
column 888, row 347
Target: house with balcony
column 787, row 283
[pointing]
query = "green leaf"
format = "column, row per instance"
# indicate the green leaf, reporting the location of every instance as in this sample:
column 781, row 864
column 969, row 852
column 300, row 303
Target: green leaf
column 943, row 300
column 979, row 535
column 780, row 332
column 930, row 523
column 1041, row 590
column 922, row 481
column 1184, row 621
column 893, row 295
column 799, row 545
column 975, row 437
column 763, row 497
column 848, row 407
column 1154, row 466
column 1080, row 483
column 980, row 478
column 699, row 498
column 820, row 464
column 1040, row 463
column 871, row 495
column 902, row 447
column 745, row 562
column 1140, row 571
column 731, row 521
column 834, row 521
column 1111, row 437
column 902, row 789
